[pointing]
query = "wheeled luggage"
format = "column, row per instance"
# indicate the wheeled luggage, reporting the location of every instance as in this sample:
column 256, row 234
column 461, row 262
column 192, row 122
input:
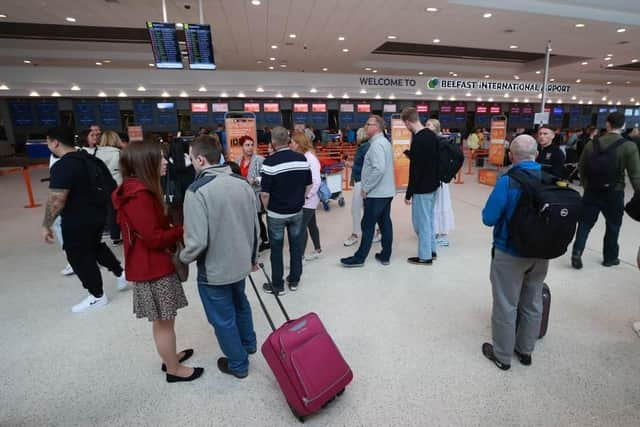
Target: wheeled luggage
column 546, row 306
column 308, row 366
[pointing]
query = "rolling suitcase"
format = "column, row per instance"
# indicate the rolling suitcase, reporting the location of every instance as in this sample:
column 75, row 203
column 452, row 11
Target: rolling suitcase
column 308, row 366
column 546, row 306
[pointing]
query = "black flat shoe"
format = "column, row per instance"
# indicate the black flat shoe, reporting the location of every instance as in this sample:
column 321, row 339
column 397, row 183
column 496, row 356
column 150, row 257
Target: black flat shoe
column 576, row 262
column 187, row 354
column 223, row 365
column 487, row 350
column 418, row 261
column 252, row 351
column 611, row 263
column 197, row 373
column 525, row 359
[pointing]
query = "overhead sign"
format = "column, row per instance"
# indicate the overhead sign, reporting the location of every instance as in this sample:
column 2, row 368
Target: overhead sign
column 300, row 108
column 387, row 82
column 252, row 107
column 199, row 47
column 199, row 107
column 436, row 83
column 389, row 108
column 423, row 108
column 319, row 108
column 346, row 108
column 364, row 108
column 165, row 44
column 220, row 107
column 271, row 107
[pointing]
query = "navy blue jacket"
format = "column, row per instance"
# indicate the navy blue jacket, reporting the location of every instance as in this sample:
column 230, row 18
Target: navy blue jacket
column 358, row 161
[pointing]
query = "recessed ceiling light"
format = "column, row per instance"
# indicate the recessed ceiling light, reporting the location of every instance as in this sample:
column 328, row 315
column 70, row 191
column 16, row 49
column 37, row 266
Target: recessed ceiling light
column 202, row 89
column 628, row 82
column 325, row 69
column 75, row 88
column 141, row 89
column 581, row 102
column 618, row 103
column 392, row 96
column 283, row 65
column 4, row 87
column 345, row 96
column 392, row 37
column 421, row 73
column 378, row 96
column 506, row 95
column 486, row 76
column 607, row 58
column 578, row 80
column 122, row 95
column 579, row 25
column 585, row 63
column 559, row 101
column 152, row 65
column 479, row 99
column 292, row 36
column 279, row 95
column 526, row 100
column 55, row 93
column 621, row 30
column 440, row 98
column 632, row 100
column 637, row 103
column 313, row 90
column 330, row 96
column 70, row 19
column 490, row 99
column 573, row 98
column 633, row 61
column 259, row 89
column 241, row 95
column 259, row 61
column 610, row 65
column 341, row 38
column 451, row 72
column 487, row 15
column 274, row 46
column 608, row 83
column 295, row 95
column 516, row 100
column 363, row 91
column 418, row 92
column 34, row 93
column 374, row 71
column 224, row 95
column 609, row 54
column 272, row 67
column 516, row 77
column 101, row 94
column 26, row 61
column 538, row 72
column 432, row 9
column 467, row 94
column 368, row 69
column 255, row 2
column 98, row 63
column 513, row 46
column 604, row 98
column 272, row 59
column 345, row 50
column 610, row 102
column 107, row 61
column 2, row 15
column 436, row 40
column 552, row 80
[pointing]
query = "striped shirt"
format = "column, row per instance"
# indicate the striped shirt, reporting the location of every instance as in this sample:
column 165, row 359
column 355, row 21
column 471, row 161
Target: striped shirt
column 285, row 176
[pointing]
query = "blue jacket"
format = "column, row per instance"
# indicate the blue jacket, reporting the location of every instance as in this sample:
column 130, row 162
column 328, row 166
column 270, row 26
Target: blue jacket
column 501, row 205
column 358, row 161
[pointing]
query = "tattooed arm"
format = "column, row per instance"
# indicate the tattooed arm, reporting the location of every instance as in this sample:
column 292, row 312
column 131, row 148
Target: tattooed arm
column 55, row 203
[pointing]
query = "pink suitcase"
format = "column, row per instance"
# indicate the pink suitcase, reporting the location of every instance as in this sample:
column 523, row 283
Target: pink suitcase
column 307, row 364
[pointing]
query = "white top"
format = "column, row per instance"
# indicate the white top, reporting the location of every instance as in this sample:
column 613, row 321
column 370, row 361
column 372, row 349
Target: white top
column 313, row 199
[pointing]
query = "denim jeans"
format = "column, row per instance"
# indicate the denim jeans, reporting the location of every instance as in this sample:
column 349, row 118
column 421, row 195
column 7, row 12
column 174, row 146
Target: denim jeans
column 294, row 228
column 611, row 204
column 228, row 311
column 422, row 218
column 376, row 210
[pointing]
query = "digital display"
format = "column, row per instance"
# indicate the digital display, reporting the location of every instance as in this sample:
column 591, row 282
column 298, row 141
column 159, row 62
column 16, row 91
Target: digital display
column 515, row 109
column 300, row 108
column 21, row 113
column 527, row 109
column 482, row 109
column 47, row 113
column 445, row 108
column 495, row 109
column 143, row 113
column 423, row 108
column 165, row 45
column 166, row 105
column 271, row 108
column 251, row 107
column 460, row 108
column 364, row 108
column 85, row 113
column 319, row 108
column 389, row 108
column 603, row 110
column 199, row 107
column 628, row 112
column 199, row 47
column 558, row 110
column 346, row 108
column 220, row 107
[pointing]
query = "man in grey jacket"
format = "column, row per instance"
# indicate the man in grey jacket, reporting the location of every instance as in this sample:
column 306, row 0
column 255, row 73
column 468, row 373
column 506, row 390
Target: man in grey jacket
column 221, row 233
column 378, row 189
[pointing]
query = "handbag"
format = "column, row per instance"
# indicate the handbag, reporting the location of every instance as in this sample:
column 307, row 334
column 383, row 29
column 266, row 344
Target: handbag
column 633, row 207
column 182, row 269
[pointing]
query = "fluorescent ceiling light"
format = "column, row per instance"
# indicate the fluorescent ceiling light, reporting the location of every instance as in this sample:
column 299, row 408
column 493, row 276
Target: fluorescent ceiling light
column 70, row 19
column 513, row 46
column 608, row 83
column 279, row 95
column 436, row 40
column 272, row 67
column 552, row 80
column 487, row 15
column 26, row 61
column 392, row 96
column 325, row 69
column 4, row 87
column 608, row 58
column 274, row 46
column 581, row 102
column 590, row 102
column 610, row 65
column 283, row 65
column 101, row 94
column 579, row 25
column 486, row 76
column 604, row 98
column 378, row 96
column 345, row 50
column 292, row 36
column 98, row 63
column 2, row 15
column 621, row 30
column 34, row 93
column 368, row 69
column 585, row 63
column 538, row 72
column 141, row 89
column 633, row 61
column 75, row 88
column 122, row 95
column 272, row 59
column 313, row 90
column 55, row 93
column 202, row 89
column 455, row 74
column 152, row 65
column 573, row 98
column 259, row 89
column 345, row 96
column 224, row 95
column 295, row 95
column 392, row 37
column 421, row 73
column 107, row 61
column 255, row 2
column 330, row 96
column 341, row 38
column 432, row 9
column 374, row 71
column 363, row 91
column 241, row 95
column 578, row 80
column 516, row 77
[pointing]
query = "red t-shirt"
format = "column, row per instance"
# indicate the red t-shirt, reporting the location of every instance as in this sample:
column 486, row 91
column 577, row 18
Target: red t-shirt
column 244, row 167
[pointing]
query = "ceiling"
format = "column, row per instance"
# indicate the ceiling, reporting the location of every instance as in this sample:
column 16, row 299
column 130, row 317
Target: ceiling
column 243, row 35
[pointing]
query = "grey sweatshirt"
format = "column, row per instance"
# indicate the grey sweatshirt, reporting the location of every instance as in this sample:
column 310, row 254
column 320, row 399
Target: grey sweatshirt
column 378, row 180
column 220, row 226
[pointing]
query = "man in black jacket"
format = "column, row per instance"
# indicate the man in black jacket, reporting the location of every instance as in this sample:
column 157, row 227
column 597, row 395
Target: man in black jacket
column 423, row 183
column 551, row 156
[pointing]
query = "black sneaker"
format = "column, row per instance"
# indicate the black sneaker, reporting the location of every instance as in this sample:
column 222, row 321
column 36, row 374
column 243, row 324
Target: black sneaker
column 576, row 262
column 611, row 263
column 378, row 257
column 525, row 359
column 418, row 261
column 487, row 350
column 434, row 256
column 293, row 286
column 223, row 365
column 351, row 262
column 268, row 289
column 264, row 246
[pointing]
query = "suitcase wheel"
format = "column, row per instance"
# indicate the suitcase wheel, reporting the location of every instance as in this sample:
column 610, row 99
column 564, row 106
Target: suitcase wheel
column 341, row 202
column 295, row 414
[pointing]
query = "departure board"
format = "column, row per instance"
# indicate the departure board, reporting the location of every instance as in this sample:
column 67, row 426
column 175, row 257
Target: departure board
column 199, row 47
column 165, row 45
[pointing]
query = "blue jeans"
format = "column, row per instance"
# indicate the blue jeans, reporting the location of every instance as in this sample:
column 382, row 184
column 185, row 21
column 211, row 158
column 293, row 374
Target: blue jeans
column 611, row 204
column 228, row 310
column 422, row 218
column 294, row 227
column 376, row 210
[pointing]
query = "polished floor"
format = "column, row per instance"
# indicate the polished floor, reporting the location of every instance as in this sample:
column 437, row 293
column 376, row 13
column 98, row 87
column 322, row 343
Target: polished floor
column 412, row 335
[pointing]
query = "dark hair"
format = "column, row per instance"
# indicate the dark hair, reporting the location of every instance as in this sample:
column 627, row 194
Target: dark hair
column 547, row 127
column 142, row 160
column 207, row 146
column 82, row 138
column 124, row 136
column 62, row 134
column 234, row 167
column 616, row 120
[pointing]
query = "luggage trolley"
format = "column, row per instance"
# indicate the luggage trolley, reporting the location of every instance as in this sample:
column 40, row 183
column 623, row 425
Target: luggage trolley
column 331, row 186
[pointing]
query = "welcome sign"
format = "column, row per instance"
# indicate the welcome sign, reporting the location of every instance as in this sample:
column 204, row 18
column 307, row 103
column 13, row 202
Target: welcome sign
column 494, row 85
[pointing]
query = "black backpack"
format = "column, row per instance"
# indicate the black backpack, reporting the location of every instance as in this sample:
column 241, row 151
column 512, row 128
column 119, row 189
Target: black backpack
column 450, row 159
column 601, row 167
column 101, row 182
column 545, row 219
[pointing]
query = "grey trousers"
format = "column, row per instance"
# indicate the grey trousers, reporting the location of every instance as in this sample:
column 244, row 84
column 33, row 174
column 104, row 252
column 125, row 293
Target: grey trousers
column 516, row 285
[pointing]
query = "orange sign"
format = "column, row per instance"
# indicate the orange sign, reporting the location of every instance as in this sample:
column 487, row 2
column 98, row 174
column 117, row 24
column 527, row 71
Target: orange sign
column 401, row 140
column 236, row 129
column 498, row 137
column 135, row 133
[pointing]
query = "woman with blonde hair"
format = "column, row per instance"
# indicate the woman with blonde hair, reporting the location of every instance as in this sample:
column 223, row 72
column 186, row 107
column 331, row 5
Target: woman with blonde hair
column 300, row 143
column 108, row 150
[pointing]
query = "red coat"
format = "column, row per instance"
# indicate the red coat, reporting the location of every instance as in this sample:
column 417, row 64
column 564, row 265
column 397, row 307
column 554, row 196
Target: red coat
column 148, row 236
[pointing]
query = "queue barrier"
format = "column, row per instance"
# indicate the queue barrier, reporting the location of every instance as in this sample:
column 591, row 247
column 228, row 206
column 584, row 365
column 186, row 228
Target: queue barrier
column 27, row 180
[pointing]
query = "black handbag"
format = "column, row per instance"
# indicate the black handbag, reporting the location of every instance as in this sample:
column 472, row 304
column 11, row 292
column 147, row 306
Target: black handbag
column 633, row 207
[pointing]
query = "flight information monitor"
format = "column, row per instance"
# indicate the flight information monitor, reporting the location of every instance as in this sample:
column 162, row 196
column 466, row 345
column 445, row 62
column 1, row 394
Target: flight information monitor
column 199, row 47
column 165, row 45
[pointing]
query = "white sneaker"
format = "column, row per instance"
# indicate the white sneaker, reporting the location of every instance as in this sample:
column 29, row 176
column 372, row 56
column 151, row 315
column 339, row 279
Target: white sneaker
column 121, row 282
column 377, row 237
column 90, row 302
column 636, row 327
column 67, row 271
column 352, row 240
column 312, row 256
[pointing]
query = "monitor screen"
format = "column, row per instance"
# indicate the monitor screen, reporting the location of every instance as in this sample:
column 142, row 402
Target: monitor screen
column 445, row 108
column 558, row 110
column 423, row 108
column 271, row 108
column 252, row 107
column 346, row 108
column 460, row 108
column 165, row 45
column 482, row 109
column 364, row 108
column 495, row 109
column 199, row 107
column 319, row 108
column 300, row 108
column 199, row 47
column 220, row 107
column 389, row 108
column 166, row 105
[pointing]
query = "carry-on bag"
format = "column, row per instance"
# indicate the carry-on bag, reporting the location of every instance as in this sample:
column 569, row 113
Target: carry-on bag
column 308, row 366
column 546, row 306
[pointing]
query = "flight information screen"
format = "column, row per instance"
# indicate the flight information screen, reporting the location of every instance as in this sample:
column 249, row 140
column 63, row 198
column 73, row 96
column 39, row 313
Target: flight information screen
column 165, row 45
column 199, row 47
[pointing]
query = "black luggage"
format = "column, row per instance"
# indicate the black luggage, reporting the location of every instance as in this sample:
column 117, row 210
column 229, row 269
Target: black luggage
column 546, row 306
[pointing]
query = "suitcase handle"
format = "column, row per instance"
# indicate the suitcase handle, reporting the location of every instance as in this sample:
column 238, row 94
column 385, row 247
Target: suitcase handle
column 264, row 309
column 286, row 316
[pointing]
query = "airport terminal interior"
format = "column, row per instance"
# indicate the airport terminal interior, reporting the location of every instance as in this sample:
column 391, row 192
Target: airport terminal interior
column 412, row 333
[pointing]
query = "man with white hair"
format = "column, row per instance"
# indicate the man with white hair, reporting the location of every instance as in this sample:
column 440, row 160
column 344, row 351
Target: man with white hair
column 516, row 281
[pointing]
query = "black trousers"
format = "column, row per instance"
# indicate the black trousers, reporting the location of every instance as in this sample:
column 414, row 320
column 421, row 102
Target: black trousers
column 263, row 228
column 85, row 250
column 309, row 222
column 114, row 227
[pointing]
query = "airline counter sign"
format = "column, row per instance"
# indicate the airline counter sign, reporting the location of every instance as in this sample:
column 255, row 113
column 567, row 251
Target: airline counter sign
column 495, row 85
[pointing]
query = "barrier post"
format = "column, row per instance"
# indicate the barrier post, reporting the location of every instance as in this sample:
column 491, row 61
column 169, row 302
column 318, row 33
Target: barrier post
column 27, row 183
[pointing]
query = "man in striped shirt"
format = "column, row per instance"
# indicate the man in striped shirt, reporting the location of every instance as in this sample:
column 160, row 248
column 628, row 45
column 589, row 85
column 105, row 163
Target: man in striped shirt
column 286, row 180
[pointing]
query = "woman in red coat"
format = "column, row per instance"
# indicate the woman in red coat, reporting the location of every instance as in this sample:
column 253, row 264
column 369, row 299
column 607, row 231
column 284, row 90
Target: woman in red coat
column 149, row 240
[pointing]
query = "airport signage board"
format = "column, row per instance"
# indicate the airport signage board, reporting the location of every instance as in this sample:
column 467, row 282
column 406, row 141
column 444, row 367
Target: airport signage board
column 436, row 83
